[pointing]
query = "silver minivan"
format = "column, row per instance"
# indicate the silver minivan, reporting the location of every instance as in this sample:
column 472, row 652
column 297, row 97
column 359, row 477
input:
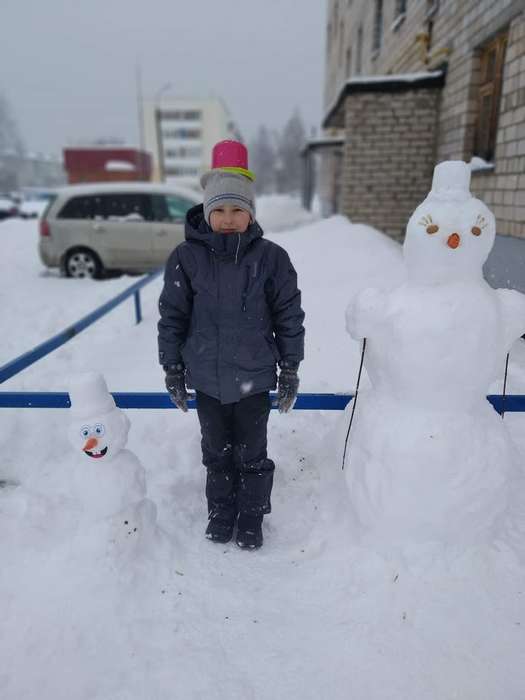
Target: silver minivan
column 132, row 226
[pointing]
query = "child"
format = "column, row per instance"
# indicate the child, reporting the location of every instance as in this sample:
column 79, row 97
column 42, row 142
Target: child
column 230, row 311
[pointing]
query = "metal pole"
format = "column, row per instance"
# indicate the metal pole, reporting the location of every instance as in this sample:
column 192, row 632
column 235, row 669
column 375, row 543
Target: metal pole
column 138, row 310
column 140, row 105
column 160, row 145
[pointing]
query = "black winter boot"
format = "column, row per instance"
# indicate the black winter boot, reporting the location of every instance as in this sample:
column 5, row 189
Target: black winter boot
column 222, row 509
column 220, row 526
column 249, row 531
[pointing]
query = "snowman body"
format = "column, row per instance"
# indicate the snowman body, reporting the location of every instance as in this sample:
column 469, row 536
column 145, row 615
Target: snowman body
column 107, row 481
column 429, row 458
column 107, row 488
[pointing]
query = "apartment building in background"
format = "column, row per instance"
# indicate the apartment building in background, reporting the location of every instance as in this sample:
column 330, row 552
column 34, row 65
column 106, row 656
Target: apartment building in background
column 409, row 83
column 180, row 134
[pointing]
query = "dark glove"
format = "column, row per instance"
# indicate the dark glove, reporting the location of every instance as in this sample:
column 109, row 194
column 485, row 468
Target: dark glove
column 176, row 385
column 287, row 387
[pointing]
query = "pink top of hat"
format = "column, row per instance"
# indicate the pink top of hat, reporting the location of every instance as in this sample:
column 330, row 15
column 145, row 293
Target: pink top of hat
column 229, row 154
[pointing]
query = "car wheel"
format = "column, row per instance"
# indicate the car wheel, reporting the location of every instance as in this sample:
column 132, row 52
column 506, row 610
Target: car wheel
column 82, row 263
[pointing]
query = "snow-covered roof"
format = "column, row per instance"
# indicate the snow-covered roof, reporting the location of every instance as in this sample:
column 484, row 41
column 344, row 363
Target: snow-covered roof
column 380, row 83
column 320, row 142
column 145, row 187
column 119, row 166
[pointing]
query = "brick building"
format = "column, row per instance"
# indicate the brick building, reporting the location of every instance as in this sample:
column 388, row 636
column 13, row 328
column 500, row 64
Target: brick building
column 106, row 164
column 409, row 83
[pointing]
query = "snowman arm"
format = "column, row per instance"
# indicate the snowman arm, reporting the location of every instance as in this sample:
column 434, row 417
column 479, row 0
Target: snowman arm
column 512, row 305
column 364, row 313
column 175, row 307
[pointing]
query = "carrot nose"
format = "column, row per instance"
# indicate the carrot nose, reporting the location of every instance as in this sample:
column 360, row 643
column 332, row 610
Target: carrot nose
column 90, row 444
column 454, row 240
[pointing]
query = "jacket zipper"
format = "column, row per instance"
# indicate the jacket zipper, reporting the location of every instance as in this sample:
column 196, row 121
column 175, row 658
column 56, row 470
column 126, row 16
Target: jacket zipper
column 251, row 274
column 246, row 288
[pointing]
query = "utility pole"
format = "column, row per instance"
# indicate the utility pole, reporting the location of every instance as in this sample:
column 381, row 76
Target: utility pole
column 158, row 129
column 140, row 104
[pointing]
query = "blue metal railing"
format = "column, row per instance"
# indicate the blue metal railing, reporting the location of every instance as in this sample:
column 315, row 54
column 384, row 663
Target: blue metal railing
column 18, row 364
column 514, row 403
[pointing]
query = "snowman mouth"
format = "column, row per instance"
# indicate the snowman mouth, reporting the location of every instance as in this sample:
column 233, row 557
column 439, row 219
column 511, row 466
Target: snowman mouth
column 96, row 455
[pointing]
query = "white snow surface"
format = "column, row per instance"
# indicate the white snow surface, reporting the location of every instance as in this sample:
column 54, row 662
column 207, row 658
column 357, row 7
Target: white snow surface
column 119, row 166
column 313, row 614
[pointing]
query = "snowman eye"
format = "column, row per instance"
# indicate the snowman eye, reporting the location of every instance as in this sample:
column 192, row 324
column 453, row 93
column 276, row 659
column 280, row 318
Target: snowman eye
column 476, row 230
column 99, row 430
column 85, row 431
column 432, row 228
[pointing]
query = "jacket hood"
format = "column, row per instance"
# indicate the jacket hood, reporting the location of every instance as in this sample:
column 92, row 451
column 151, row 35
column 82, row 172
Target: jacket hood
column 224, row 245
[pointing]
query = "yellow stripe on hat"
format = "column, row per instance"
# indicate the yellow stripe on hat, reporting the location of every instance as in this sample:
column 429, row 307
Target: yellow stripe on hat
column 239, row 171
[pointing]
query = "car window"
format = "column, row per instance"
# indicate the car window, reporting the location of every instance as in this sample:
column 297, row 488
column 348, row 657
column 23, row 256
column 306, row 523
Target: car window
column 50, row 202
column 86, row 207
column 127, row 207
column 177, row 207
column 170, row 207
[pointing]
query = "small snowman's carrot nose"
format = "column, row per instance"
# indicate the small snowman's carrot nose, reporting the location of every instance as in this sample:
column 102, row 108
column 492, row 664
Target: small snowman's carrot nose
column 90, row 444
column 454, row 240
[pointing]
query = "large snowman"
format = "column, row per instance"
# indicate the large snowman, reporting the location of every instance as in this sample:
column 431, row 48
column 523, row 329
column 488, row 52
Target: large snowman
column 429, row 458
column 108, row 481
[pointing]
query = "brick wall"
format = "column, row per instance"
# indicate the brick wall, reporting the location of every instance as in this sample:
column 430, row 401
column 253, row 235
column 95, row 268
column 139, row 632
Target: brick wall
column 389, row 156
column 458, row 29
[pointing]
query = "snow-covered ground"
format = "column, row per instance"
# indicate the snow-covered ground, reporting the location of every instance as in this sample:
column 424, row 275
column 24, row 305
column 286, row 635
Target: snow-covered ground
column 308, row 616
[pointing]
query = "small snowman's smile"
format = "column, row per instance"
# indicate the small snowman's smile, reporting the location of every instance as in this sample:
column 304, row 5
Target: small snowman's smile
column 98, row 454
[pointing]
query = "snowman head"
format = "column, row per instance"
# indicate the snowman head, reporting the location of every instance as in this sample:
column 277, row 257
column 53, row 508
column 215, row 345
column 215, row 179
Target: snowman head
column 98, row 429
column 451, row 233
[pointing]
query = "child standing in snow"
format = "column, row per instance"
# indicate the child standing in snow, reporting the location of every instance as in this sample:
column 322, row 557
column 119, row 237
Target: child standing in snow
column 230, row 312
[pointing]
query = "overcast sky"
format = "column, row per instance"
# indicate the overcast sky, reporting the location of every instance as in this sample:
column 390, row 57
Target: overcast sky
column 68, row 66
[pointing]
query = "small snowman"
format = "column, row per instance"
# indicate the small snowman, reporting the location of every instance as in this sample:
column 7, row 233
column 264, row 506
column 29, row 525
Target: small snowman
column 107, row 480
column 429, row 458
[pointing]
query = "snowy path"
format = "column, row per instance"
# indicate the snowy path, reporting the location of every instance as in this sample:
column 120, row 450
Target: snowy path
column 305, row 617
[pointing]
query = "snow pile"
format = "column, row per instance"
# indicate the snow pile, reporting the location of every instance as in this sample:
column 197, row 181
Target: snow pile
column 281, row 212
column 321, row 611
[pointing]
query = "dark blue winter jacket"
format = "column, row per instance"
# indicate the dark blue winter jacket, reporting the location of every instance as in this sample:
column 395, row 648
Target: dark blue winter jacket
column 229, row 310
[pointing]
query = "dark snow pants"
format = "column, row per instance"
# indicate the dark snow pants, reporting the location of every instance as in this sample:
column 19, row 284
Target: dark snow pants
column 239, row 474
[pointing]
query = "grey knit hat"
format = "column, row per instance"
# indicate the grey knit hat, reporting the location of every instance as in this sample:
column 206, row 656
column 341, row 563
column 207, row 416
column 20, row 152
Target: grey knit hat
column 222, row 187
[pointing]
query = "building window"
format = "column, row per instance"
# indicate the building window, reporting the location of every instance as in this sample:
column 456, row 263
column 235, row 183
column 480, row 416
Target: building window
column 181, row 133
column 377, row 36
column 184, row 152
column 359, row 56
column 190, row 115
column 432, row 8
column 182, row 171
column 492, row 60
column 401, row 7
column 348, row 62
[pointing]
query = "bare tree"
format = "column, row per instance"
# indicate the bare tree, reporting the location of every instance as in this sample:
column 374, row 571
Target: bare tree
column 11, row 148
column 292, row 141
column 262, row 161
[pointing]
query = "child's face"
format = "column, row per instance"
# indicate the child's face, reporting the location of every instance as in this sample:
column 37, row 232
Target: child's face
column 228, row 219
